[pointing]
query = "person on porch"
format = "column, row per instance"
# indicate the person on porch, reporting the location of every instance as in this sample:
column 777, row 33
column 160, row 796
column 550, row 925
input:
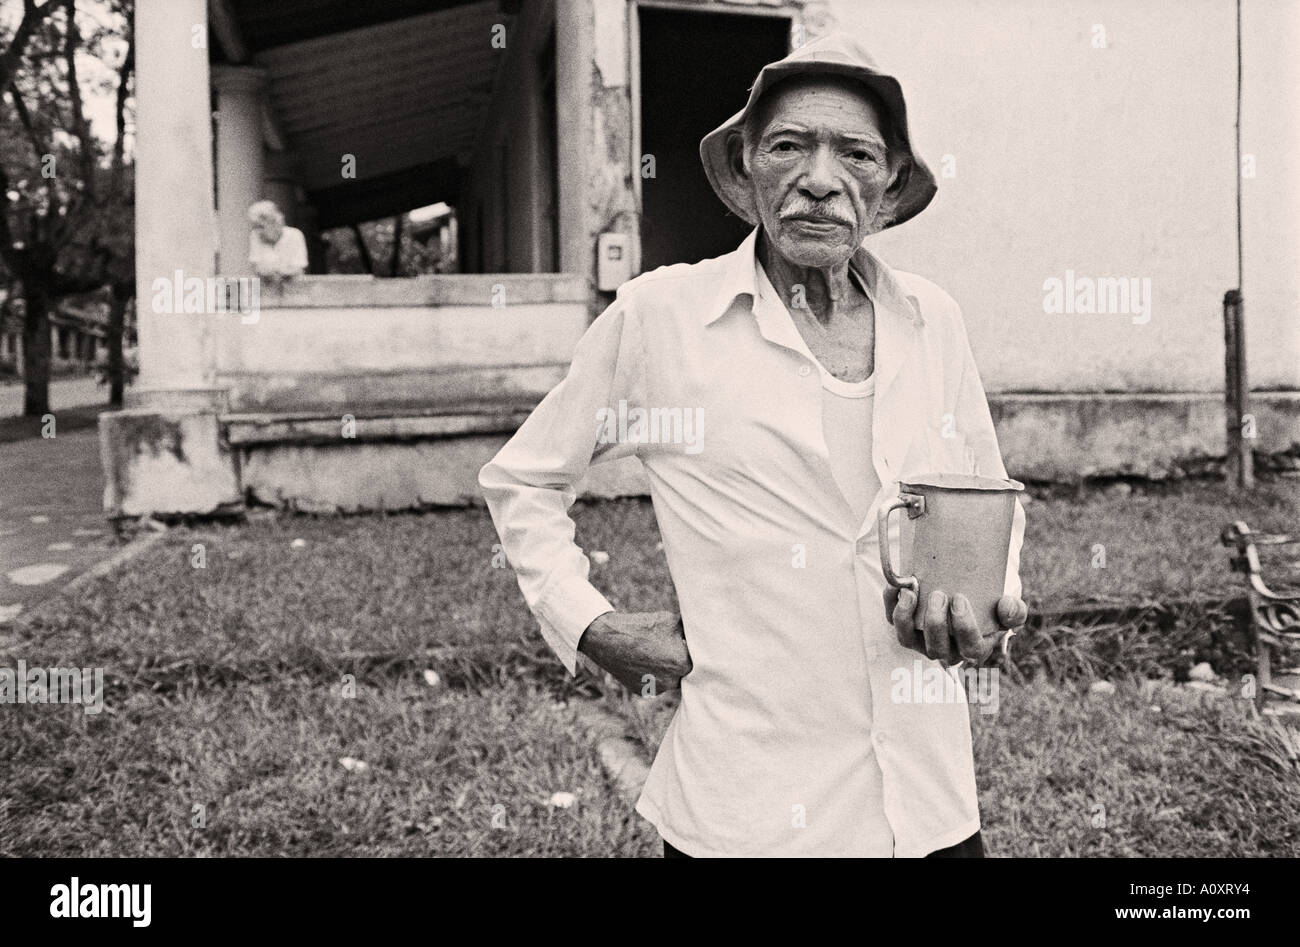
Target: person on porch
column 275, row 251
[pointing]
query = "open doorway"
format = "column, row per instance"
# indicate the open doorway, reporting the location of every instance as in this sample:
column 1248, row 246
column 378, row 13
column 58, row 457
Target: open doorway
column 696, row 70
column 547, row 176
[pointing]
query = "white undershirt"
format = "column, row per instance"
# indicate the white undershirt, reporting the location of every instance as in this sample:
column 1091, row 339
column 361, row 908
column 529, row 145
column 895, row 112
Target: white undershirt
column 846, row 425
column 846, row 418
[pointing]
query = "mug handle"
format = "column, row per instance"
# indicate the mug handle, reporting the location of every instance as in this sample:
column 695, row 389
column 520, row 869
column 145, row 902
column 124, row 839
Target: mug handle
column 915, row 506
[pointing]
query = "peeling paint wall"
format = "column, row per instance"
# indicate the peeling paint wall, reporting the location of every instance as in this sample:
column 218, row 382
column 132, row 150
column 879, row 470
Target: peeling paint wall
column 165, row 463
column 610, row 199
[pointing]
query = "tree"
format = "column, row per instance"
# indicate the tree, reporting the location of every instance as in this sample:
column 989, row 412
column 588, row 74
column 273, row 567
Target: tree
column 64, row 216
column 115, row 222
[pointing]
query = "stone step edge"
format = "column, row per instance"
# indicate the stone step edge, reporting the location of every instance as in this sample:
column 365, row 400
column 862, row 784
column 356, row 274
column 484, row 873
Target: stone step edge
column 252, row 430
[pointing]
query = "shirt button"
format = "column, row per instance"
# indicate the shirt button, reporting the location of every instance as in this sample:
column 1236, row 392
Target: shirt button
column 804, row 371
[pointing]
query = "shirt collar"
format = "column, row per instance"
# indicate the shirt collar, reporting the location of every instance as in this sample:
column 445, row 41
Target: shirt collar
column 740, row 278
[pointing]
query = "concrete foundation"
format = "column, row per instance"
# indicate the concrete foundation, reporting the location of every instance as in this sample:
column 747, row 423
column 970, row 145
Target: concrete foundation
column 397, row 475
column 205, row 463
column 1065, row 438
column 166, row 463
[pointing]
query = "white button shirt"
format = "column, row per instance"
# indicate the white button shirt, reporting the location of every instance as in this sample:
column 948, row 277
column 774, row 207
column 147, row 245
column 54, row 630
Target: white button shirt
column 787, row 740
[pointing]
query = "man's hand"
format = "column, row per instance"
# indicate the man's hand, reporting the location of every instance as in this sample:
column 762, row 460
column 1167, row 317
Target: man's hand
column 645, row 651
column 947, row 630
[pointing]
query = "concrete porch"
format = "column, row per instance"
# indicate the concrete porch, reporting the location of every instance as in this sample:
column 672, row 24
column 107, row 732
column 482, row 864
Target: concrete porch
column 352, row 393
column 334, row 392
column 355, row 393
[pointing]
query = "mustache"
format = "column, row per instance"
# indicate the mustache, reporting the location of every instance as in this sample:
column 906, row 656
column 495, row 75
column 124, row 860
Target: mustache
column 821, row 211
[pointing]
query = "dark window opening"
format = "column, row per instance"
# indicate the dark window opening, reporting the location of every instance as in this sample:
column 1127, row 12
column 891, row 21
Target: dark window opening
column 696, row 70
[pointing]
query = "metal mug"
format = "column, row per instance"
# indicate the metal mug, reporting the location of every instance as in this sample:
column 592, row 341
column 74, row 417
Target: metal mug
column 962, row 537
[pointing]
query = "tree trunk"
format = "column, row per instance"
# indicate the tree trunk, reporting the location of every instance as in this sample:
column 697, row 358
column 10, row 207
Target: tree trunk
column 36, row 349
column 116, row 326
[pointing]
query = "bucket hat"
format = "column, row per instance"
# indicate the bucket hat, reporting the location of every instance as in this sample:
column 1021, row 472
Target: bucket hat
column 835, row 54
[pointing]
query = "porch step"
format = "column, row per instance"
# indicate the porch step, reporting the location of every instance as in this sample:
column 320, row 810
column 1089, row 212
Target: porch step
column 321, row 428
column 393, row 462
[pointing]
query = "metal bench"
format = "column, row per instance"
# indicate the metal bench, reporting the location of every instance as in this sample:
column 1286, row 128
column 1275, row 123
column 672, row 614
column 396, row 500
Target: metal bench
column 1274, row 618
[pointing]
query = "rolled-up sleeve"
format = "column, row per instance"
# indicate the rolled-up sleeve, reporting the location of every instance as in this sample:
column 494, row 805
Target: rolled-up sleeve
column 975, row 419
column 532, row 482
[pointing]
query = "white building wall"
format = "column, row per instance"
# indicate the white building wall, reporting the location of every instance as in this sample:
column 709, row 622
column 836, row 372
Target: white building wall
column 1115, row 161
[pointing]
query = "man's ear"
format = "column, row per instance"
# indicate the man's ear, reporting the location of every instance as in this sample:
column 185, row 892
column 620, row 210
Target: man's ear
column 736, row 155
column 893, row 194
column 902, row 174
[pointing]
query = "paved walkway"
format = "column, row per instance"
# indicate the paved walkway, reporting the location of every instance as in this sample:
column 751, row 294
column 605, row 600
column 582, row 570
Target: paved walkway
column 65, row 393
column 52, row 525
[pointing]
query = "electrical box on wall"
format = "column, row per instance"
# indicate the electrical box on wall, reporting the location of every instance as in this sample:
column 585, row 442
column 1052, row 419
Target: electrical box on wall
column 613, row 264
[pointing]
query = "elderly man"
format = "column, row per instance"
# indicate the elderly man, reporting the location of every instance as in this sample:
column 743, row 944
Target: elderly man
column 818, row 377
column 275, row 252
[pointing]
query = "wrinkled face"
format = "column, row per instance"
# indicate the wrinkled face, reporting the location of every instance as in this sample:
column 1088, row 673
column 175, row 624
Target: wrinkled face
column 817, row 160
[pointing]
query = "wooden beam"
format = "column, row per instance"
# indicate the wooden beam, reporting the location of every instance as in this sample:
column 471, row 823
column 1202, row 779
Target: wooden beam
column 388, row 194
column 272, row 129
column 225, row 27
column 376, row 162
column 271, row 23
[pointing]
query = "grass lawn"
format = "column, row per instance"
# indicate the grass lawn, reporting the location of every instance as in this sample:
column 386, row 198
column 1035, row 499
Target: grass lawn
column 1162, row 544
column 227, row 679
column 1151, row 770
column 304, row 591
column 448, row 773
column 299, row 592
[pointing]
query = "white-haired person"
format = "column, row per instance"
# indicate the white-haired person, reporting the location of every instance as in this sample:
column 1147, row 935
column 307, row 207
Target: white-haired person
column 274, row 250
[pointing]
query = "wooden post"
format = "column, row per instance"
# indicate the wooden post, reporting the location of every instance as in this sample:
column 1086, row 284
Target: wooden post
column 1239, row 471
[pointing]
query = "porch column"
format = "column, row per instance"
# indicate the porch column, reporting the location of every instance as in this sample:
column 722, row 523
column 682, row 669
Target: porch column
column 240, row 163
column 173, row 197
column 164, row 454
column 574, row 55
column 280, row 184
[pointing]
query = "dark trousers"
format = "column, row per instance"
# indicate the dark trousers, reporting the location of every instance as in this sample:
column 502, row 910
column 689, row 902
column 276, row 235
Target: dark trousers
column 973, row 847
